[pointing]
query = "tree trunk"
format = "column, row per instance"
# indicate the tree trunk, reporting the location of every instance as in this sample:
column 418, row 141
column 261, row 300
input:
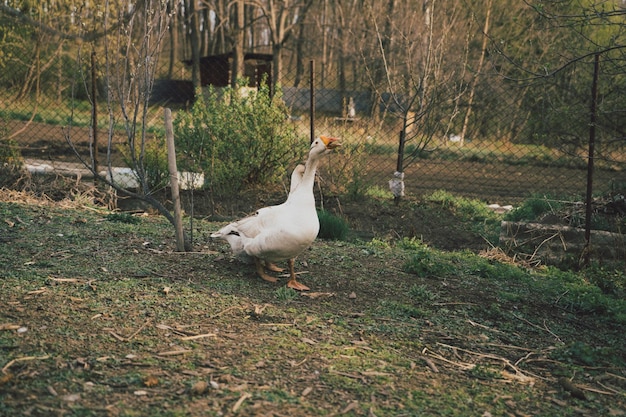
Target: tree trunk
column 481, row 60
column 173, row 45
column 195, row 45
column 300, row 42
column 238, row 54
column 380, row 70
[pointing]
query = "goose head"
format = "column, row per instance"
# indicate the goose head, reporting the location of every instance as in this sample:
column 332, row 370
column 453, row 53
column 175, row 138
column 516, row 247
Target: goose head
column 322, row 144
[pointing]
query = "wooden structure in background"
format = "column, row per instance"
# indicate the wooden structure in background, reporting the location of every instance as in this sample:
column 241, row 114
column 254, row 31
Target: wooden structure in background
column 216, row 70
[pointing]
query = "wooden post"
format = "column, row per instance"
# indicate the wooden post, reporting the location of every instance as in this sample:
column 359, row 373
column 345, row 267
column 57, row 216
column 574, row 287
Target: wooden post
column 94, row 119
column 171, row 163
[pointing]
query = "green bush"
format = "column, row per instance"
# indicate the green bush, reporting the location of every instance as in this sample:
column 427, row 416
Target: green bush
column 237, row 138
column 609, row 280
column 332, row 227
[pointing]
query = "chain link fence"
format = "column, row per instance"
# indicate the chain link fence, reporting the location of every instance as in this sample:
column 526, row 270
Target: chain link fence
column 495, row 171
column 485, row 137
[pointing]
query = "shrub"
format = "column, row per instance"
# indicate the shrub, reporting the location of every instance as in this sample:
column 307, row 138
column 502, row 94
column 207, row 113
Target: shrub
column 347, row 176
column 236, row 139
column 332, row 227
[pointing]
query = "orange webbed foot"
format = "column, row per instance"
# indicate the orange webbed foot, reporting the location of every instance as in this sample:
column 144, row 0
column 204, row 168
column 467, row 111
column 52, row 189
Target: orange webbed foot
column 261, row 271
column 273, row 267
column 298, row 286
column 293, row 283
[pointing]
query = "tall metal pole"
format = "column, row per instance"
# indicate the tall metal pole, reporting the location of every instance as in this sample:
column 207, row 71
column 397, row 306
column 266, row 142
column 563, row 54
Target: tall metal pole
column 312, row 88
column 400, row 160
column 592, row 142
column 94, row 118
column 399, row 174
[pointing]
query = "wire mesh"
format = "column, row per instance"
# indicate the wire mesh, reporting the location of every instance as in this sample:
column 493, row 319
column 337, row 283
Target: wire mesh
column 490, row 138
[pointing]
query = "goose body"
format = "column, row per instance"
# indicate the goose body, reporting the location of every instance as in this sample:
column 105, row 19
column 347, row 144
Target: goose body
column 281, row 232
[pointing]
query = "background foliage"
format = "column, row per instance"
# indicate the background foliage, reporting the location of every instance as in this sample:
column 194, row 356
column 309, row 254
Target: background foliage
column 236, row 139
column 489, row 96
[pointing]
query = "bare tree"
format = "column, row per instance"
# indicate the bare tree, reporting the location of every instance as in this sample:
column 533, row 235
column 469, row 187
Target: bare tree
column 481, row 61
column 194, row 35
column 131, row 56
column 282, row 17
column 413, row 72
column 174, row 30
column 238, row 44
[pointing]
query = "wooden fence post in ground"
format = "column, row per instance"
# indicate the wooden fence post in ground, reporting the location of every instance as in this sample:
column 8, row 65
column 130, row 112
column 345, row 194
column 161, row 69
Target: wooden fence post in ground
column 171, row 163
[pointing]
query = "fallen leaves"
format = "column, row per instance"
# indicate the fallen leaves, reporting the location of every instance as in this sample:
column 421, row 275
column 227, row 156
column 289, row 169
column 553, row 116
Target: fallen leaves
column 6, row 378
column 64, row 280
column 209, row 347
column 129, row 338
column 572, row 389
column 430, row 364
column 70, row 398
column 183, row 332
column 470, row 363
column 41, row 290
column 52, row 391
column 351, row 406
column 309, row 341
column 151, row 381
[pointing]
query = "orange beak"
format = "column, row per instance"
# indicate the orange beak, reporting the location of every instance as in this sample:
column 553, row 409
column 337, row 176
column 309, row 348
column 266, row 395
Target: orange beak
column 331, row 143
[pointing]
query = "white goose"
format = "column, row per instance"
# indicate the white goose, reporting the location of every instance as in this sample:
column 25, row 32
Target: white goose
column 284, row 231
